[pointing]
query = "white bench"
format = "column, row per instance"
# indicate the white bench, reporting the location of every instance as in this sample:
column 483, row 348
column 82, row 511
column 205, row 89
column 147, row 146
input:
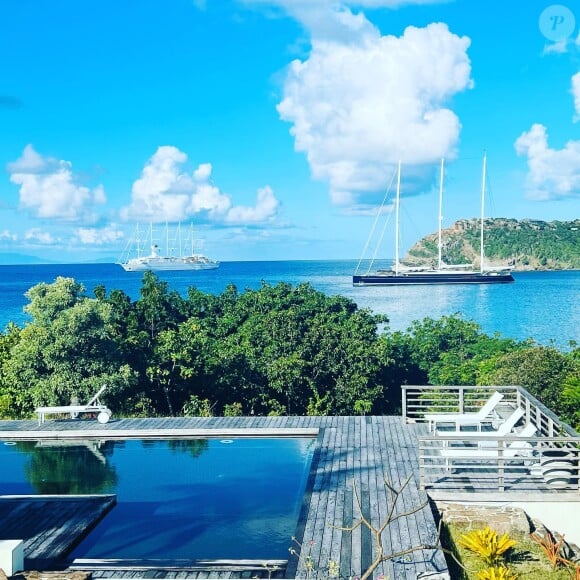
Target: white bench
column 102, row 412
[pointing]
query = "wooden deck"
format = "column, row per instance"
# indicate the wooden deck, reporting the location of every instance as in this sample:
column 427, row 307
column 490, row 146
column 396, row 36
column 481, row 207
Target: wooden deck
column 354, row 456
column 49, row 525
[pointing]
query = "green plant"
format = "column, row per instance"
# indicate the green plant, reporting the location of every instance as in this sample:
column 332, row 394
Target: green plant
column 486, row 544
column 233, row 410
column 197, row 407
column 496, row 573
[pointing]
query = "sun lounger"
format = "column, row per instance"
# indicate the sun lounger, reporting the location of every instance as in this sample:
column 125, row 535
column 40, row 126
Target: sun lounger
column 491, row 449
column 484, row 415
column 94, row 406
column 504, row 429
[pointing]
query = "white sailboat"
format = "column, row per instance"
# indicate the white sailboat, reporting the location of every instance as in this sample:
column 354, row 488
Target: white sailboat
column 174, row 257
column 444, row 273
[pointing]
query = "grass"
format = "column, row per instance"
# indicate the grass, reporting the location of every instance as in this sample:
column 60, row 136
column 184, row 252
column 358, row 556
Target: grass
column 526, row 559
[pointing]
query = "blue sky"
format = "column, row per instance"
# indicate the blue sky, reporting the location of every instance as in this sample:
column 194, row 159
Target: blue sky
column 275, row 125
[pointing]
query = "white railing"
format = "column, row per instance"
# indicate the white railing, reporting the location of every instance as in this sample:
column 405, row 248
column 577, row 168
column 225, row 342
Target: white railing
column 466, row 461
column 419, row 400
column 476, row 461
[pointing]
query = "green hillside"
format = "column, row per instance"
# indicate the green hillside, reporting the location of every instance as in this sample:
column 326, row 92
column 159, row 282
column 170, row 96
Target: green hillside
column 524, row 245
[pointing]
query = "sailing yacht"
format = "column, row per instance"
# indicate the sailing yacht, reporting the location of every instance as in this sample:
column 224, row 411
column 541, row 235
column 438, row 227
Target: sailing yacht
column 443, row 273
column 158, row 262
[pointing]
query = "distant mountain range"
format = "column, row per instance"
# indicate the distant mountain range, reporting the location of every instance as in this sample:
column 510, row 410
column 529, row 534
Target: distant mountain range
column 17, row 259
column 11, row 259
column 523, row 244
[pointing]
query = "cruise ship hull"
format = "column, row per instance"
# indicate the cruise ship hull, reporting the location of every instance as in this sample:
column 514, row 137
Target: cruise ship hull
column 390, row 279
column 167, row 264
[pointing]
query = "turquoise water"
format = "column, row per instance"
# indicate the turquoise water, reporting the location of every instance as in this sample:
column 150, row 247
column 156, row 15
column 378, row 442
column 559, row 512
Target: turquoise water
column 192, row 499
column 544, row 306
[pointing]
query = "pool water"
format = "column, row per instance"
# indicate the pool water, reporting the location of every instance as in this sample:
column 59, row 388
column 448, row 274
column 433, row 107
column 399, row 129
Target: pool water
column 176, row 499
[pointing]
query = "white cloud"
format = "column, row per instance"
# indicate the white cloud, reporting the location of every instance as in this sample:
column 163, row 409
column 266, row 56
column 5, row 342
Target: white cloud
column 576, row 95
column 265, row 208
column 98, row 236
column 8, row 236
column 358, row 106
column 48, row 188
column 559, row 47
column 552, row 173
column 166, row 192
column 332, row 19
column 36, row 236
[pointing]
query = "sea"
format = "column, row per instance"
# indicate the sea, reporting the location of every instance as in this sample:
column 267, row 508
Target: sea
column 542, row 306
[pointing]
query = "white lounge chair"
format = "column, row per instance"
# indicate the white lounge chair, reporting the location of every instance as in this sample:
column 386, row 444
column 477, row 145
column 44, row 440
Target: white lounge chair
column 484, row 415
column 93, row 406
column 504, row 429
column 491, row 449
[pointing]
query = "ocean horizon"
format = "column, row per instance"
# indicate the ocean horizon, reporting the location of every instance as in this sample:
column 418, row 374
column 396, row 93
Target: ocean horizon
column 541, row 305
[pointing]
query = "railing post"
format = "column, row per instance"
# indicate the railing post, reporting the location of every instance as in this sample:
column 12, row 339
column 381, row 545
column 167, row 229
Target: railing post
column 421, row 466
column 404, row 403
column 500, row 467
column 461, row 400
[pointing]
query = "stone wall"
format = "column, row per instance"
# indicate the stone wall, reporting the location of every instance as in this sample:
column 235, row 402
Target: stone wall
column 501, row 518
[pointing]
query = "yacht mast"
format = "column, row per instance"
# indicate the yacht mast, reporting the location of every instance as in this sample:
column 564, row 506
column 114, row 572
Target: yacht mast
column 166, row 238
column 138, row 240
column 439, row 242
column 397, row 199
column 481, row 256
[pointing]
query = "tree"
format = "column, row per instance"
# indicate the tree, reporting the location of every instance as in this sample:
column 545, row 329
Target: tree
column 68, row 350
column 542, row 370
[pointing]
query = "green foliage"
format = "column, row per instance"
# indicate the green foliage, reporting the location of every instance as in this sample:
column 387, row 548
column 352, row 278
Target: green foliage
column 525, row 560
column 525, row 244
column 276, row 350
column 196, row 407
column 233, row 410
column 543, row 371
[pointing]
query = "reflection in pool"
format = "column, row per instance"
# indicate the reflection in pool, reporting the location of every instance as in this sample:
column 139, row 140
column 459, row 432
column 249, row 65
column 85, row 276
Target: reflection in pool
column 188, row 498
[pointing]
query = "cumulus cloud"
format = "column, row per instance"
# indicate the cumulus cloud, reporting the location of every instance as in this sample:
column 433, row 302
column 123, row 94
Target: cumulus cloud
column 99, row 236
column 552, row 173
column 358, row 107
column 36, row 236
column 576, row 95
column 49, row 189
column 166, row 192
column 266, row 207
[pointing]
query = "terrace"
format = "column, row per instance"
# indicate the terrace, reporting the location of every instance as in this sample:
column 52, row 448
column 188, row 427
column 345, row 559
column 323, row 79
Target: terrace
column 353, row 459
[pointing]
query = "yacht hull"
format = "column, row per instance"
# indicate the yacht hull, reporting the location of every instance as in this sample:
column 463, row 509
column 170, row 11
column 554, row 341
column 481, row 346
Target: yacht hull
column 389, row 279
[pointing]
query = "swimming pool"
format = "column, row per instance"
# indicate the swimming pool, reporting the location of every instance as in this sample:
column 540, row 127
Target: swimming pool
column 176, row 499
